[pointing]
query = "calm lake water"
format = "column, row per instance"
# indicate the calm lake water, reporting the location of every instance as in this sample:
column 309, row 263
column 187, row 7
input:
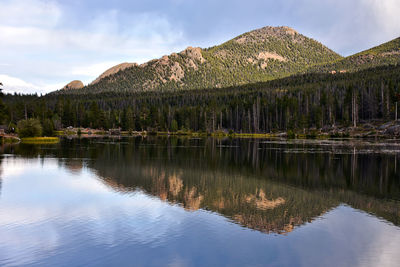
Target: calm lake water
column 200, row 202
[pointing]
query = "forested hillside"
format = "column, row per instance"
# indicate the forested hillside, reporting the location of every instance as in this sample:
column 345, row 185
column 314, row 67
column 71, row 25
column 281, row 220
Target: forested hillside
column 382, row 55
column 244, row 85
column 261, row 55
column 297, row 102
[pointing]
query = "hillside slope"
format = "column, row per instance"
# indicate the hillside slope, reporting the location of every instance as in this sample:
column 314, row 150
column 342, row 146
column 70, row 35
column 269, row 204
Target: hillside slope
column 261, row 55
column 382, row 55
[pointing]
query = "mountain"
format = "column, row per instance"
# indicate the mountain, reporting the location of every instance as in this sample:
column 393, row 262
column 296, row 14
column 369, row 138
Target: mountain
column 74, row 85
column 260, row 55
column 382, row 55
column 113, row 70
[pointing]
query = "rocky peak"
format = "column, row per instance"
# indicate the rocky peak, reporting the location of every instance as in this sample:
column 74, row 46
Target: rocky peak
column 194, row 53
column 114, row 70
column 266, row 32
column 74, row 85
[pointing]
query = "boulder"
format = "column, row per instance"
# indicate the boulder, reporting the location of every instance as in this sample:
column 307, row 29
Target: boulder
column 368, row 126
column 74, row 85
column 393, row 130
column 385, row 126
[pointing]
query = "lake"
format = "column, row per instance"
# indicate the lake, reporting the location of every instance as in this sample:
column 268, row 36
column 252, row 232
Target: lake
column 200, row 202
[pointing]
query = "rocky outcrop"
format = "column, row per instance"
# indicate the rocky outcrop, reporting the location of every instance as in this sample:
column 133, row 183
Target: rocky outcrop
column 114, row 70
column 194, row 53
column 74, row 85
column 177, row 73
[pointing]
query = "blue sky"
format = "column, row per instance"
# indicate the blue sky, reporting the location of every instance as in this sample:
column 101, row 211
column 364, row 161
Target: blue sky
column 44, row 44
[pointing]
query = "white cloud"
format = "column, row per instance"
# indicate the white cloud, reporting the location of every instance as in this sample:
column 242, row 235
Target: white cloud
column 92, row 70
column 48, row 52
column 349, row 26
column 29, row 12
column 386, row 14
column 14, row 84
column 94, row 40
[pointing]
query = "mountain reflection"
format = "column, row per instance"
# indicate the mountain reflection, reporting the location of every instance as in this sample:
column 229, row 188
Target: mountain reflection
column 271, row 187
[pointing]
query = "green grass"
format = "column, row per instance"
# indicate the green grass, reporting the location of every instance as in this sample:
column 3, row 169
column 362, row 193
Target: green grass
column 40, row 140
column 9, row 140
column 253, row 135
column 218, row 134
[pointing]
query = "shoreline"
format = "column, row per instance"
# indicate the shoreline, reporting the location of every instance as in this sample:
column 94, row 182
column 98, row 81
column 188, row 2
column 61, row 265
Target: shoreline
column 282, row 135
column 387, row 130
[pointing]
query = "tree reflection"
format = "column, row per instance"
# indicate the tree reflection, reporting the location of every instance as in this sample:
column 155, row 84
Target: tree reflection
column 267, row 186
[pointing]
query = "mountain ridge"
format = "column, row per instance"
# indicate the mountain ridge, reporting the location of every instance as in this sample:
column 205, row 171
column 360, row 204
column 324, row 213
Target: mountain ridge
column 381, row 55
column 113, row 70
column 256, row 56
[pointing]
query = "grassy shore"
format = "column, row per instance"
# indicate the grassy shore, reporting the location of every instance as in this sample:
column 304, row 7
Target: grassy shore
column 245, row 135
column 9, row 139
column 376, row 131
column 40, row 140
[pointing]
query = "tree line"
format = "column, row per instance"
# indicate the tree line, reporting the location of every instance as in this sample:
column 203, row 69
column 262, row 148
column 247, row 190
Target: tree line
column 297, row 102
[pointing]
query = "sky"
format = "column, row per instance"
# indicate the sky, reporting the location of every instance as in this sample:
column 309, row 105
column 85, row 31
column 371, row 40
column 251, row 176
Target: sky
column 44, row 44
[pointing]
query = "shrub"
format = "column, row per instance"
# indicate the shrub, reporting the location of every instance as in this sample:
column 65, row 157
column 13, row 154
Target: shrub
column 12, row 128
column 291, row 134
column 29, row 128
column 312, row 134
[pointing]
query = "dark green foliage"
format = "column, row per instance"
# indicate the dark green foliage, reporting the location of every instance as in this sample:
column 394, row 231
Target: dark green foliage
column 2, row 106
column 48, row 128
column 174, row 126
column 127, row 119
column 291, row 134
column 29, row 128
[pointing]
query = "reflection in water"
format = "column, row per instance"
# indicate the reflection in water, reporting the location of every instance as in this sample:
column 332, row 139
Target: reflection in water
column 197, row 201
column 267, row 186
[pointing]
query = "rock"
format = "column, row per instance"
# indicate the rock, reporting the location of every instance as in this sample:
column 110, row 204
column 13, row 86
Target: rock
column 194, row 53
column 368, row 126
column 326, row 129
column 177, row 73
column 114, row 70
column 270, row 55
column 385, row 126
column 393, row 130
column 74, row 85
column 115, row 131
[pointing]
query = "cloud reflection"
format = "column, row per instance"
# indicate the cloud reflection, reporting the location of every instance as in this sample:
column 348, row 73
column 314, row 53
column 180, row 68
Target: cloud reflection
column 51, row 216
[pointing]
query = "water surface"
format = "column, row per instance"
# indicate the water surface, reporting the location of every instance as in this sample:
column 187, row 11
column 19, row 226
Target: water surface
column 200, row 202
